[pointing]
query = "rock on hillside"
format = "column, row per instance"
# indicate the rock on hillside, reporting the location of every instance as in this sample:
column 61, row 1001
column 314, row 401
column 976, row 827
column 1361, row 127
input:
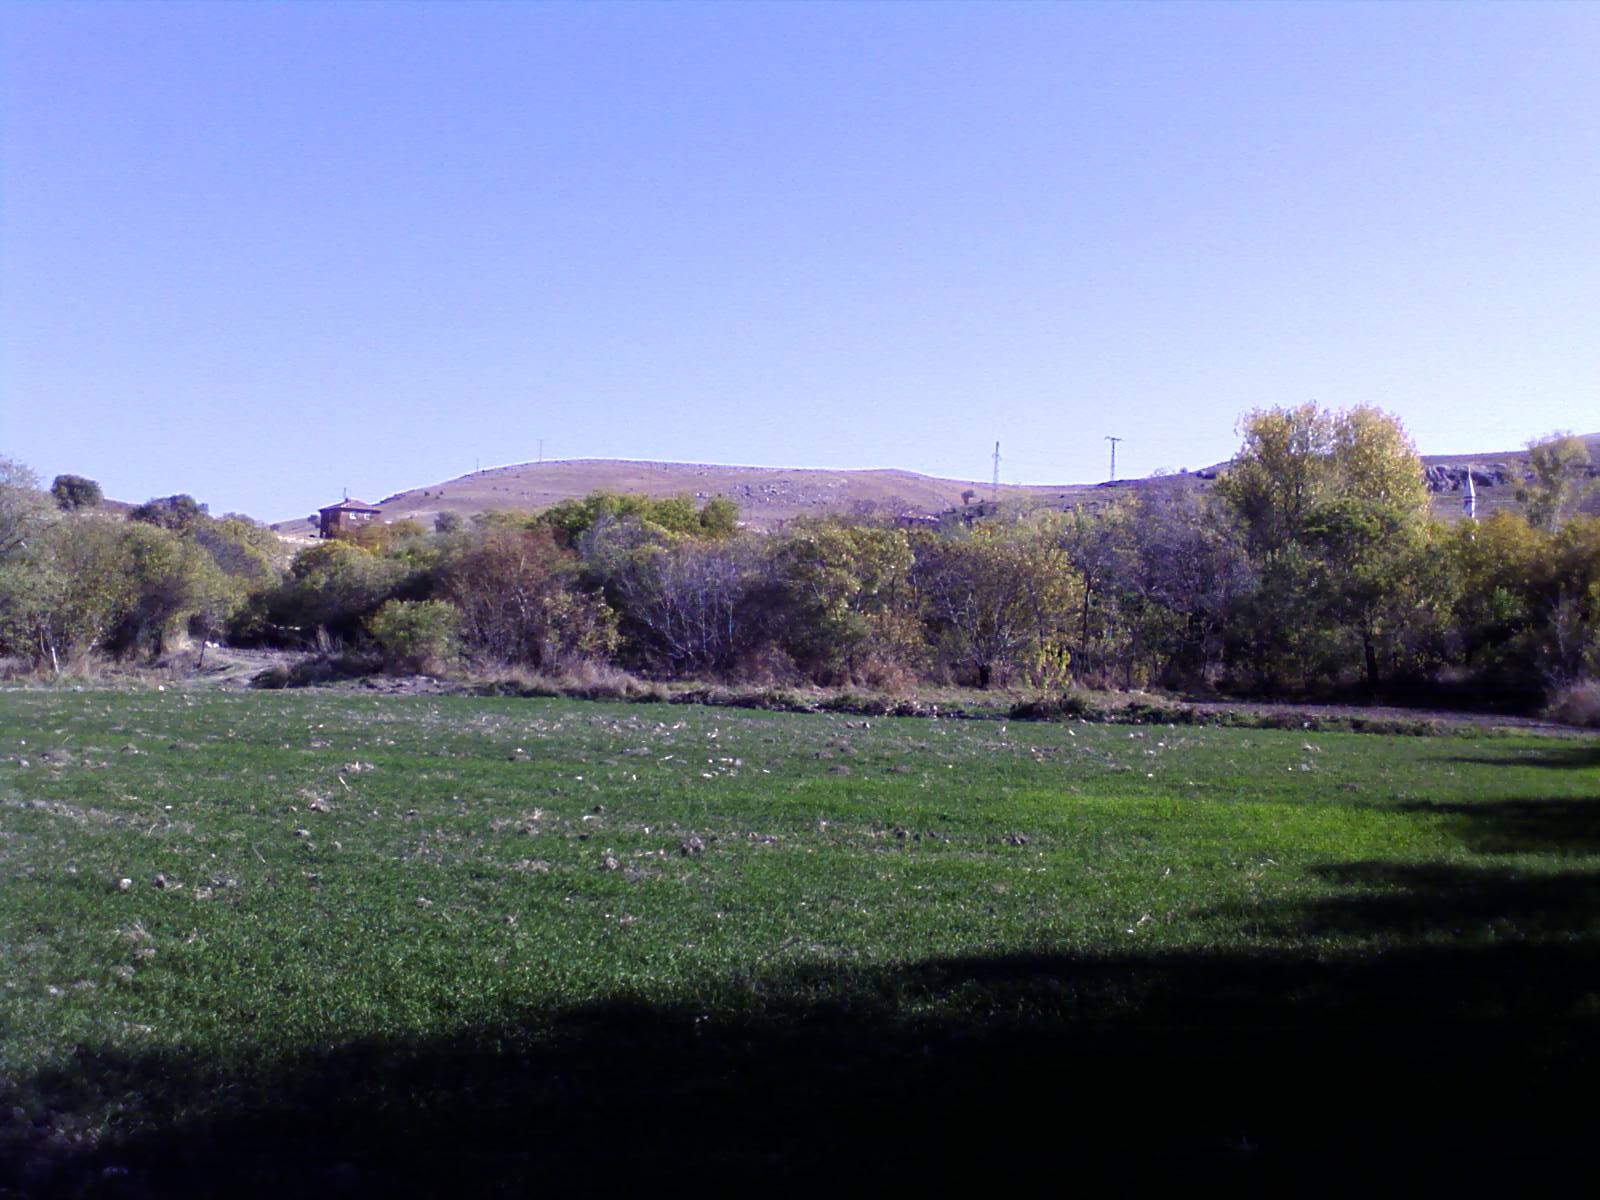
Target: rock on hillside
column 1495, row 479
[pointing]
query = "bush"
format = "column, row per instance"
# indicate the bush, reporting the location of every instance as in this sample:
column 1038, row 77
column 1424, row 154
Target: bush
column 415, row 635
column 1068, row 704
column 178, row 513
column 515, row 589
column 335, row 587
column 1577, row 704
column 272, row 679
column 72, row 492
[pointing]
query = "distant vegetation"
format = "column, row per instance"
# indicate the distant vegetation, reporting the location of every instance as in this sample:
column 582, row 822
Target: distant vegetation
column 1312, row 568
column 72, row 492
column 76, row 582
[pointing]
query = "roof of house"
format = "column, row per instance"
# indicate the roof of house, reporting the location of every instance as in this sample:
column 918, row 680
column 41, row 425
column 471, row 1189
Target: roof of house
column 350, row 506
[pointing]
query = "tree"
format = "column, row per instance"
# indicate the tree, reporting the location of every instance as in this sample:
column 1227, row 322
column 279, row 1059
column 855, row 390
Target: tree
column 24, row 509
column 66, row 592
column 1376, row 579
column 241, row 548
column 1097, row 544
column 1332, row 505
column 174, row 580
column 72, row 492
column 1557, row 464
column 718, row 518
column 179, row 512
column 839, row 596
column 1574, row 646
column 415, row 635
column 999, row 600
column 1190, row 572
column 516, row 592
column 333, row 587
column 1293, row 459
column 684, row 602
column 571, row 520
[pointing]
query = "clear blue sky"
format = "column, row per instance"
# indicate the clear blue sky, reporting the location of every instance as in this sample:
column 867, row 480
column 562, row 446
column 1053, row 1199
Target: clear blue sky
column 264, row 252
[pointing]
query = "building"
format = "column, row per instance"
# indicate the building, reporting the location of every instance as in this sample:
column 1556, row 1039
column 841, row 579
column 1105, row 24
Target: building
column 344, row 517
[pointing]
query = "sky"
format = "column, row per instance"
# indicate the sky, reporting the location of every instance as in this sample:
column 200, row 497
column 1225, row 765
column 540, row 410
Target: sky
column 265, row 253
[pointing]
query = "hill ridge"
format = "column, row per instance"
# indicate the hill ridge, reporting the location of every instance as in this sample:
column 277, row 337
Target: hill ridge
column 769, row 496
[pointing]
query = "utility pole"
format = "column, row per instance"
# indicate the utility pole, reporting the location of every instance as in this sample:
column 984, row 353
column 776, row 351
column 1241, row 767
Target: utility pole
column 994, row 487
column 1113, row 441
column 541, row 449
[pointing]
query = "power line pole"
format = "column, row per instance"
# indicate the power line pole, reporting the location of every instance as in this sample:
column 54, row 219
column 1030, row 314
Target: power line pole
column 994, row 487
column 541, row 450
column 1113, row 441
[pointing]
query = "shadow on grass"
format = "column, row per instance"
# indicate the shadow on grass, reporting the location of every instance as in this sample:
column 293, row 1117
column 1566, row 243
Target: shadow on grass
column 1444, row 1048
column 1472, row 905
column 1566, row 754
column 1560, row 826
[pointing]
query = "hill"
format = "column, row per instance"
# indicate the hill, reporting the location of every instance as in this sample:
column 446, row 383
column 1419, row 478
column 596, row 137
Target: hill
column 766, row 496
column 769, row 496
column 1496, row 478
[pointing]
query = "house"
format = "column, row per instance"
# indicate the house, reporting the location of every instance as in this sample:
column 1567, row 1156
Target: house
column 344, row 517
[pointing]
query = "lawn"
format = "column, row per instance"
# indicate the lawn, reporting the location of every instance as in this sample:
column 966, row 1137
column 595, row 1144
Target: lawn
column 297, row 943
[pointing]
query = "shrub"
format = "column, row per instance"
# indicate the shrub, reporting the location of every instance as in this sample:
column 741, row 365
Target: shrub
column 178, row 513
column 72, row 492
column 1071, row 703
column 1577, row 704
column 415, row 635
column 334, row 586
column 272, row 679
column 515, row 591
column 24, row 508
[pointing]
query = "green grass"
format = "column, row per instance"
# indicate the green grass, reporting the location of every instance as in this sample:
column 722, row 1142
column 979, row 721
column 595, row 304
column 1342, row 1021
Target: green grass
column 417, row 943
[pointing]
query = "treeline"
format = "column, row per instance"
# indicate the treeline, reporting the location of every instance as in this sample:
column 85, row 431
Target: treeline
column 76, row 581
column 1313, row 567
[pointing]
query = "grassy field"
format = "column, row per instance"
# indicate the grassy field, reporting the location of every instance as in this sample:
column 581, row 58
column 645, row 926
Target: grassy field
column 299, row 944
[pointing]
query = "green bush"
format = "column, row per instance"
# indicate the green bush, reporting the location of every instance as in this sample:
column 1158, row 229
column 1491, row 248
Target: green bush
column 334, row 587
column 179, row 513
column 72, row 492
column 415, row 635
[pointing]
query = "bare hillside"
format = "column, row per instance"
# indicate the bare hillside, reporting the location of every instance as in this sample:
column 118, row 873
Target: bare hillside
column 766, row 496
column 769, row 496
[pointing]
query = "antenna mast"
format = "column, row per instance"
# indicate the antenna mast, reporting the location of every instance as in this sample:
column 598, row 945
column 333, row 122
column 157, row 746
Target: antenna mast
column 994, row 487
column 1113, row 441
